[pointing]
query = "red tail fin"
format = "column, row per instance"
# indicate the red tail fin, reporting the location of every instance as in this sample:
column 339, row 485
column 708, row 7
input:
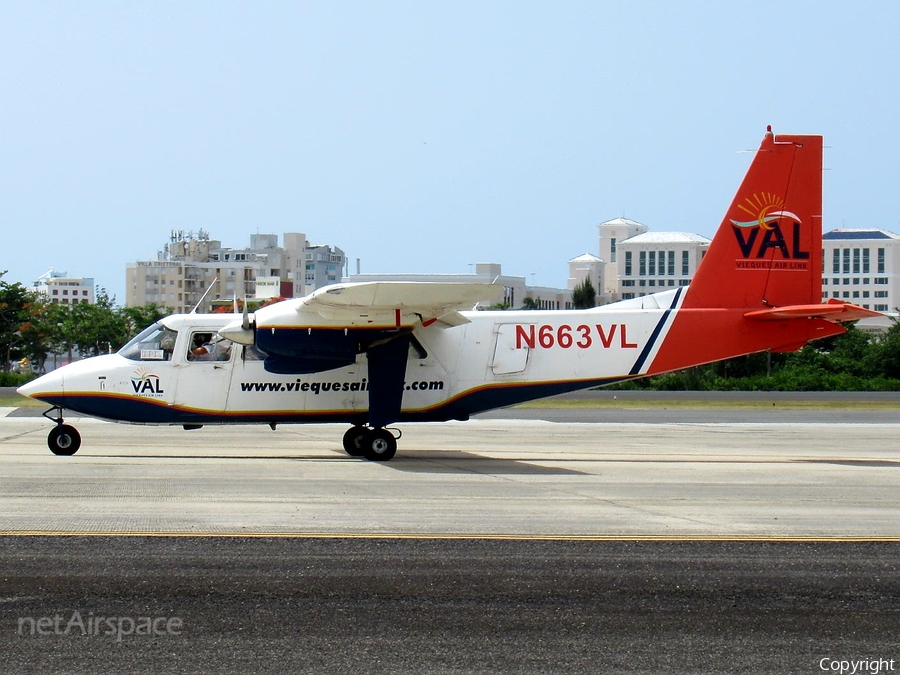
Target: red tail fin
column 768, row 250
column 760, row 284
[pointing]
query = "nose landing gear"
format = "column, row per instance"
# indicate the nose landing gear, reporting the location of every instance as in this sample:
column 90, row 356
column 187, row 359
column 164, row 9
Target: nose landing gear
column 376, row 445
column 63, row 439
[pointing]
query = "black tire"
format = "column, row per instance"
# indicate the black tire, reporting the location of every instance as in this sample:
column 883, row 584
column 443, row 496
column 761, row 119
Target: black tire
column 354, row 439
column 380, row 445
column 64, row 440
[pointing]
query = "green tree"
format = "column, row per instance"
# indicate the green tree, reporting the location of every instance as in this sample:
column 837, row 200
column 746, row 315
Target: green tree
column 39, row 331
column 138, row 318
column 14, row 300
column 98, row 328
column 848, row 353
column 584, row 296
column 852, row 361
column 55, row 330
column 530, row 303
column 884, row 358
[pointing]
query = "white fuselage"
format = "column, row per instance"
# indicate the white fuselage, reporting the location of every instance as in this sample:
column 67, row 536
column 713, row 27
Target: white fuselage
column 496, row 359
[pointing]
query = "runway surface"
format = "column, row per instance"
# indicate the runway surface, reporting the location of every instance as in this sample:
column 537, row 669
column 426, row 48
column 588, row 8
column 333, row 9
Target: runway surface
column 496, row 545
column 479, row 478
column 231, row 605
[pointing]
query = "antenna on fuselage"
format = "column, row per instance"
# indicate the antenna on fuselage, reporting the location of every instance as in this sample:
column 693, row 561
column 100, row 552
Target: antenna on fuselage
column 200, row 302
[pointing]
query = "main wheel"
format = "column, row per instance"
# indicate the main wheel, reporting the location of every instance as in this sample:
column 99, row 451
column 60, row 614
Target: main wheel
column 379, row 445
column 64, row 440
column 354, row 439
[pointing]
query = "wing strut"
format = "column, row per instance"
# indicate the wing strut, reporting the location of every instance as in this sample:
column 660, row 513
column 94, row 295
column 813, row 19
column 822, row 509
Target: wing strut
column 387, row 374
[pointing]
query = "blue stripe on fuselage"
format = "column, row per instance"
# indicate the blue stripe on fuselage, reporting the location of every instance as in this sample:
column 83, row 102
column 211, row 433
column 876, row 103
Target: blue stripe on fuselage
column 654, row 336
column 144, row 411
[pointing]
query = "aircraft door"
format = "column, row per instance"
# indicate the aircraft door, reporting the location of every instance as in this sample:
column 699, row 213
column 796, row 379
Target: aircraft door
column 204, row 378
column 509, row 355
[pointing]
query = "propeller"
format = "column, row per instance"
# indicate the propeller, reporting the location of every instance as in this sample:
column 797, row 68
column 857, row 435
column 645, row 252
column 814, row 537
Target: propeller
column 241, row 331
column 245, row 322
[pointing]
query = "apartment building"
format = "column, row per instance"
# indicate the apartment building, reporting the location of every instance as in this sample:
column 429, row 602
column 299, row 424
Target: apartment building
column 59, row 288
column 193, row 266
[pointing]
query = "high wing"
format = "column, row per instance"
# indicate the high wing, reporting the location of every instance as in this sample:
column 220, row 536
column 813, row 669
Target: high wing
column 426, row 300
column 330, row 327
column 389, row 304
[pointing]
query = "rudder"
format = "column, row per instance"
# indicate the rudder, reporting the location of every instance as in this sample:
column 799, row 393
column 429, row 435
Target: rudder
column 759, row 286
column 768, row 250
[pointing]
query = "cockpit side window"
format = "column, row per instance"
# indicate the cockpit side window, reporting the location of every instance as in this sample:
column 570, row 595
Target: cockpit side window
column 207, row 346
column 156, row 343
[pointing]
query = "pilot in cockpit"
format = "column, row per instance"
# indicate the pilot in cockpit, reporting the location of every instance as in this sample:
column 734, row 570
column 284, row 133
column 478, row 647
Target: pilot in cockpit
column 209, row 347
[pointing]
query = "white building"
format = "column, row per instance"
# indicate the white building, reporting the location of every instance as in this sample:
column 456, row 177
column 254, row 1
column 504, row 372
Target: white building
column 58, row 288
column 863, row 267
column 611, row 234
column 190, row 265
column 587, row 266
column 654, row 261
column 641, row 262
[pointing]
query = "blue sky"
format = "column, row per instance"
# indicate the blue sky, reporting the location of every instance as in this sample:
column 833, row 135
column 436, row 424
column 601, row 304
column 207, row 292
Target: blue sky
column 423, row 136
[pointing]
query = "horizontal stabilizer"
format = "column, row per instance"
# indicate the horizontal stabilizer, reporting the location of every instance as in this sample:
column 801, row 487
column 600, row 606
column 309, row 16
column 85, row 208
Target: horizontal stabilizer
column 834, row 310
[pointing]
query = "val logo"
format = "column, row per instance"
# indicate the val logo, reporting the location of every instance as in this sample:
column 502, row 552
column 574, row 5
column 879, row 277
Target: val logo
column 762, row 235
column 146, row 383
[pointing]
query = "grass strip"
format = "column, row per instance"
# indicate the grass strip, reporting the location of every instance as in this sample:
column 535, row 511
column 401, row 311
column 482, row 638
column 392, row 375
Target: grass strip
column 698, row 404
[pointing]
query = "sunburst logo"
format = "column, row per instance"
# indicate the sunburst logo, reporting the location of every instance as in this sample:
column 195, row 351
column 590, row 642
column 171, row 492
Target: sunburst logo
column 765, row 209
column 141, row 374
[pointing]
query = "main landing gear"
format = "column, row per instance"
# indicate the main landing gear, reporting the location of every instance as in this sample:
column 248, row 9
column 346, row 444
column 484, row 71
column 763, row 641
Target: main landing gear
column 63, row 439
column 376, row 445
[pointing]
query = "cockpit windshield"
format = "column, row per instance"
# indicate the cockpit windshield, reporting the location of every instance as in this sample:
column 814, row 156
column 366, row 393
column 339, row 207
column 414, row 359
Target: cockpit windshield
column 155, row 343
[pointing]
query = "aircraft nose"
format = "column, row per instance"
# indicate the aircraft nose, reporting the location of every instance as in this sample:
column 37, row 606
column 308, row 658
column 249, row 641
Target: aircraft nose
column 50, row 384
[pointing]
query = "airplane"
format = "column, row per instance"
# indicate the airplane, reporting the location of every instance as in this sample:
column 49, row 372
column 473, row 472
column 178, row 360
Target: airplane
column 376, row 354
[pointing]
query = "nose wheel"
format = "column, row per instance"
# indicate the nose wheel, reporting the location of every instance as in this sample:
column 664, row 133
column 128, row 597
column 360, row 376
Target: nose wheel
column 376, row 445
column 63, row 439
